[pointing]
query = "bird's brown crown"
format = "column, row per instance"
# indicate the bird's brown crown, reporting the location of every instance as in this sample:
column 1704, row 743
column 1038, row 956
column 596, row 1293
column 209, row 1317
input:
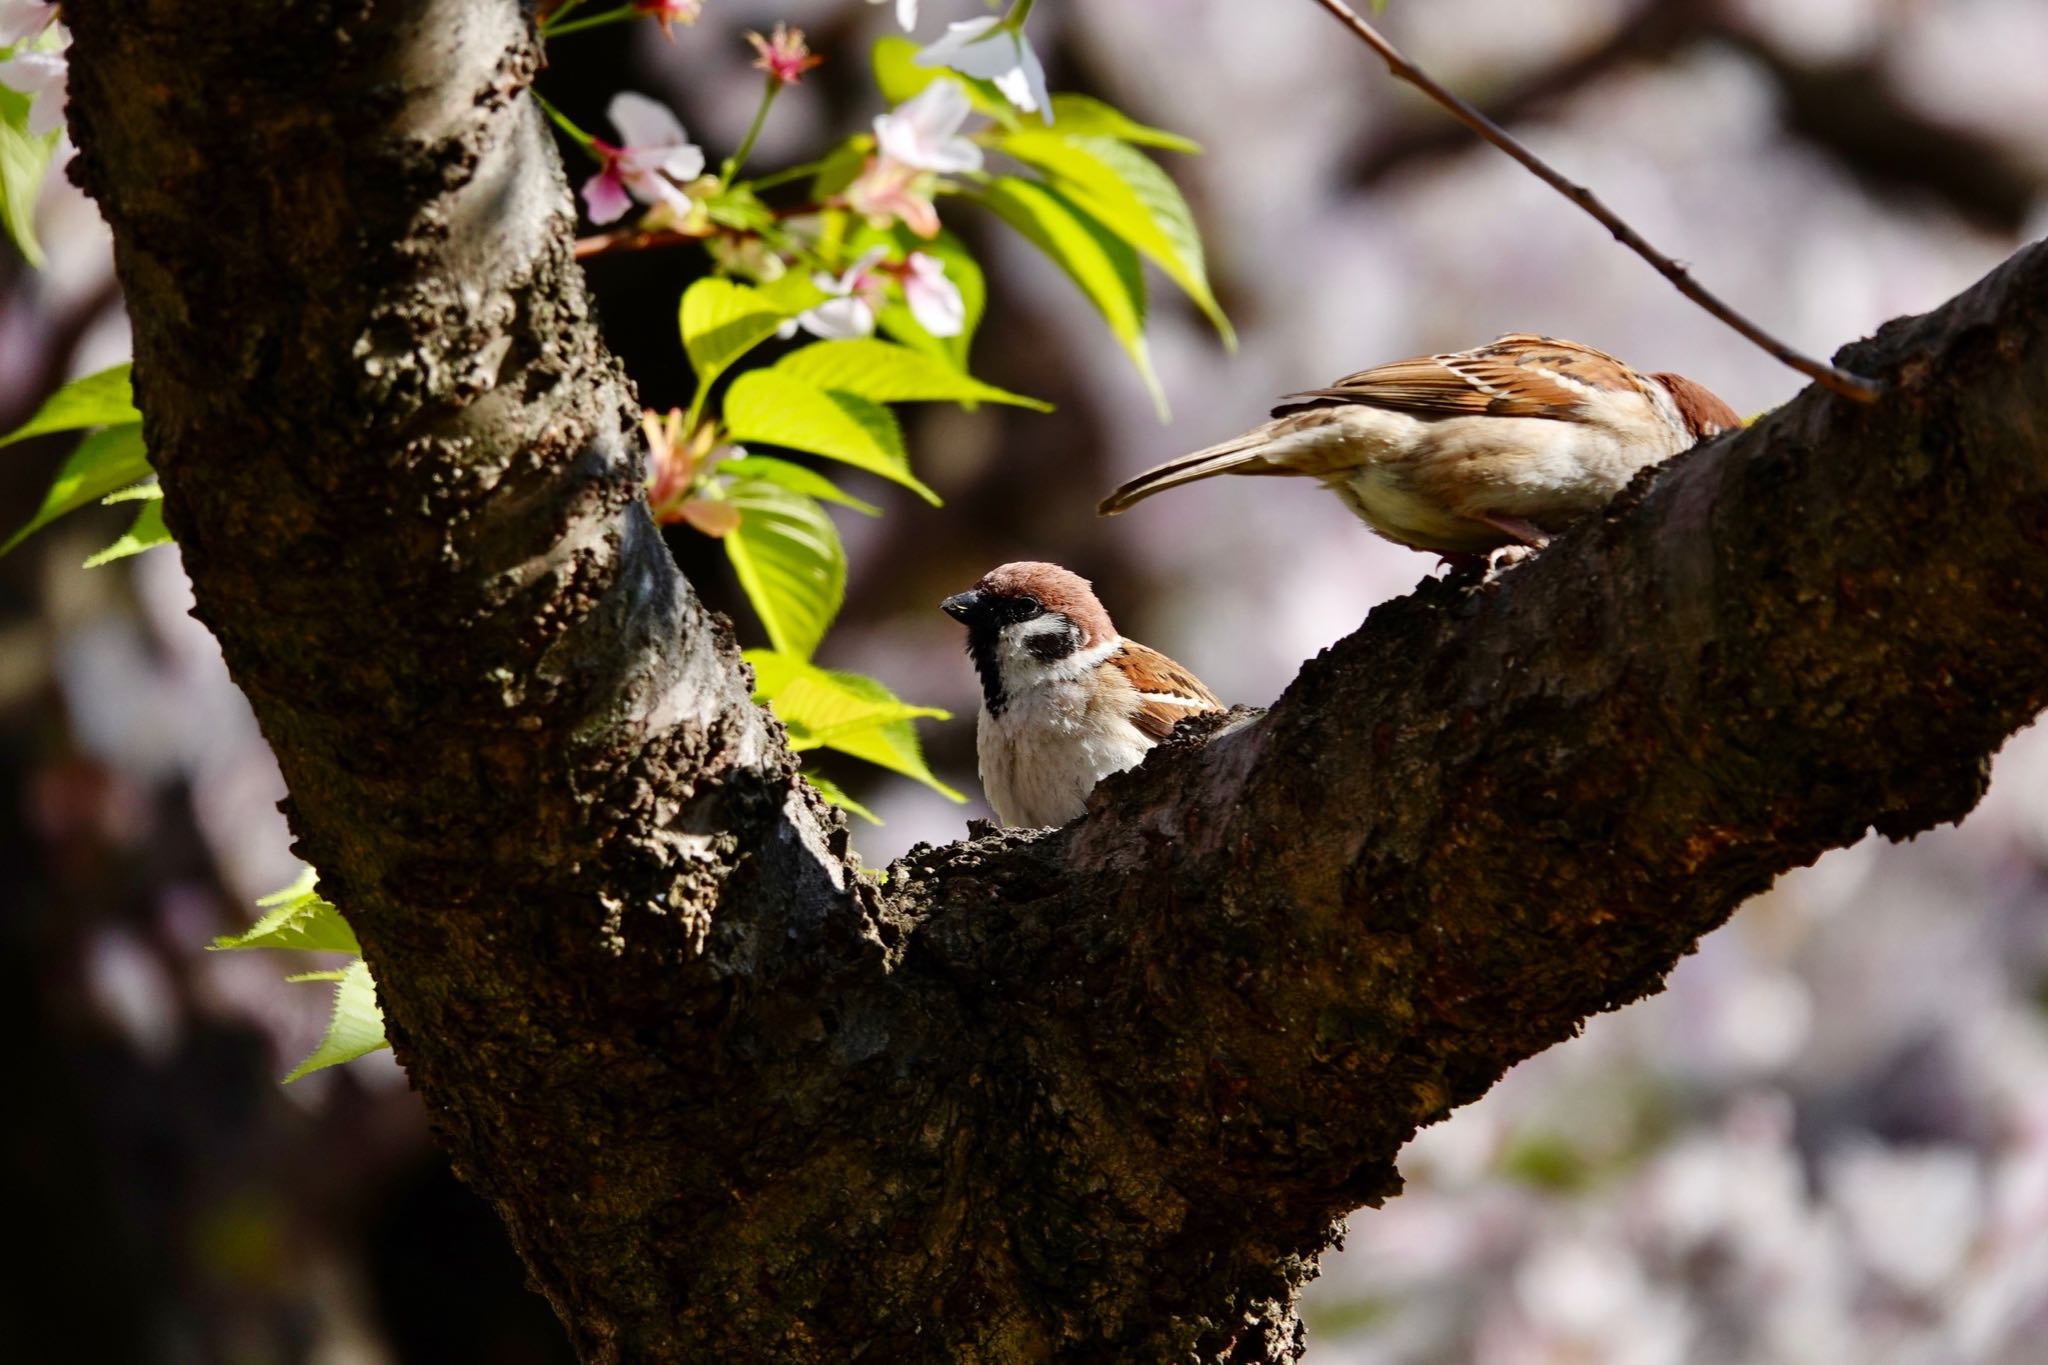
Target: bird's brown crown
column 1055, row 589
column 1699, row 407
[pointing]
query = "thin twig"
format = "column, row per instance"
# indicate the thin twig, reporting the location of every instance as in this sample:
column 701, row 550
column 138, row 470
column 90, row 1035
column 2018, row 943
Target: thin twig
column 654, row 239
column 1839, row 380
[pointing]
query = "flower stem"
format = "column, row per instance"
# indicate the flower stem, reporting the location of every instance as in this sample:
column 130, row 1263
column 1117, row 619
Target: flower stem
column 558, row 14
column 746, row 147
column 1019, row 12
column 611, row 16
column 561, row 120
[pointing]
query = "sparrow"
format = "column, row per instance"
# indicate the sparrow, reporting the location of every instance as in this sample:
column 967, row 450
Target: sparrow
column 1502, row 445
column 1065, row 700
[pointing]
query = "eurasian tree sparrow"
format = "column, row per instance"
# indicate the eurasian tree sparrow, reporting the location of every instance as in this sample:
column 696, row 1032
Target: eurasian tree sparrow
column 1065, row 700
column 1504, row 444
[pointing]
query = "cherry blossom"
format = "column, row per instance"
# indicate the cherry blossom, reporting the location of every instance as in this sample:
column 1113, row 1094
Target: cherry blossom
column 887, row 190
column 992, row 50
column 44, row 78
column 673, row 462
column 21, row 20
column 925, row 132
column 655, row 155
column 784, row 55
column 906, row 12
column 850, row 312
column 670, row 12
column 934, row 300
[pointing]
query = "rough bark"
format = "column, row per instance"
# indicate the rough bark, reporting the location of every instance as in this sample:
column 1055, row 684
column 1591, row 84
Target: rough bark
column 1100, row 1093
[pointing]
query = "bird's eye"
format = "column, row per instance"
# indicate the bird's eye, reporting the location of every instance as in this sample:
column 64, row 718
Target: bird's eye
column 1029, row 607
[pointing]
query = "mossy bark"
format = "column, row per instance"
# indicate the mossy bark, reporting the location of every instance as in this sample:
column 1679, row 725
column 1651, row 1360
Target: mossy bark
column 1095, row 1094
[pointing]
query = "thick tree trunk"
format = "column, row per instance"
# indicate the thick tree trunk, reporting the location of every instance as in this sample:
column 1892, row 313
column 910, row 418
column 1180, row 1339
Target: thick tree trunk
column 1100, row 1093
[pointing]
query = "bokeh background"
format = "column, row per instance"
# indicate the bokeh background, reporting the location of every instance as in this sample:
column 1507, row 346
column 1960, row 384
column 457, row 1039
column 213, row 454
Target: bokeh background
column 1826, row 1141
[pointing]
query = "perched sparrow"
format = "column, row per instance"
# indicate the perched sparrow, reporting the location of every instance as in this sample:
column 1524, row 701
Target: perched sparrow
column 1065, row 701
column 1504, row 444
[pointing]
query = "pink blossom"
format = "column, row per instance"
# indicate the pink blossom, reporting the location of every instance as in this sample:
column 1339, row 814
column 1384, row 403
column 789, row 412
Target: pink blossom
column 21, row 20
column 44, row 78
column 669, row 12
column 934, row 300
column 856, row 296
column 992, row 50
column 925, row 132
column 785, row 56
column 887, row 190
column 906, row 12
column 656, row 154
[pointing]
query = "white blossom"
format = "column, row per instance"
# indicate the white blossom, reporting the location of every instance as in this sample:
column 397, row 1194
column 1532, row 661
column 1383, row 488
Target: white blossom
column 991, row 50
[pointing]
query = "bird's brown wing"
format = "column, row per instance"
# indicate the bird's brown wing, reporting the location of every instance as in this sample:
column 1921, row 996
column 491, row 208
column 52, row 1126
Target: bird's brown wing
column 1167, row 693
column 1519, row 375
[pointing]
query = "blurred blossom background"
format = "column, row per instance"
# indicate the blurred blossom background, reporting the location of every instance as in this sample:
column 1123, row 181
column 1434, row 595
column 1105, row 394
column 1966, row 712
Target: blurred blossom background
column 1826, row 1141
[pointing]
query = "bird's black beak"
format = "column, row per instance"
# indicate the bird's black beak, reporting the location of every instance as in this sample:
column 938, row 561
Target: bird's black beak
column 962, row 606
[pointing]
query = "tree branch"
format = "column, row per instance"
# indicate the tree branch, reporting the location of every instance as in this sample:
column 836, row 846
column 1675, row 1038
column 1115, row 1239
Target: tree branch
column 1833, row 377
column 1095, row 1093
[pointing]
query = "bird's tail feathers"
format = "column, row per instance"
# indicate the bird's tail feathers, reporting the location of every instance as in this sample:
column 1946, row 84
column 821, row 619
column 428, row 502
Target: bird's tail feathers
column 1239, row 455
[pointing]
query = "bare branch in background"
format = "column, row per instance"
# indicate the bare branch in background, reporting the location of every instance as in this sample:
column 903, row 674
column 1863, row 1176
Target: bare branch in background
column 1828, row 376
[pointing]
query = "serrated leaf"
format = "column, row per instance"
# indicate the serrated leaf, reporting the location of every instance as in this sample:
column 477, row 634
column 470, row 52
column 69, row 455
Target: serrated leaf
column 1101, row 263
column 722, row 320
column 24, row 165
column 795, row 477
column 884, row 372
column 790, row 563
column 103, row 462
column 837, row 795
column 95, row 400
column 298, row 918
column 900, row 78
column 826, row 708
column 146, row 532
column 1086, row 116
column 1131, row 196
column 776, row 408
column 355, row 1027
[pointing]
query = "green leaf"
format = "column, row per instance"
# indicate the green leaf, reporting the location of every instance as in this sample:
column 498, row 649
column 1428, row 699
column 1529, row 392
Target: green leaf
column 297, row 918
column 795, row 477
column 836, row 794
column 900, row 78
column 779, row 409
column 883, row 372
column 24, row 163
column 723, row 320
column 97, row 400
column 840, row 167
column 1086, row 116
column 830, row 709
column 145, row 533
column 1096, row 259
column 103, row 462
column 1133, row 198
column 354, row 1029
column 787, row 554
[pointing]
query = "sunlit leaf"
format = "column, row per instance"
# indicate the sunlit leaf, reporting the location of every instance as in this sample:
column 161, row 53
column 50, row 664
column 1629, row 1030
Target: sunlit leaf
column 722, row 319
column 103, row 399
column 296, row 917
column 1086, row 116
column 356, row 1025
column 837, row 795
column 146, row 532
column 831, row 709
column 1131, row 196
column 104, row 461
column 962, row 269
column 1101, row 263
column 775, row 407
column 790, row 563
column 883, row 372
column 797, row 478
